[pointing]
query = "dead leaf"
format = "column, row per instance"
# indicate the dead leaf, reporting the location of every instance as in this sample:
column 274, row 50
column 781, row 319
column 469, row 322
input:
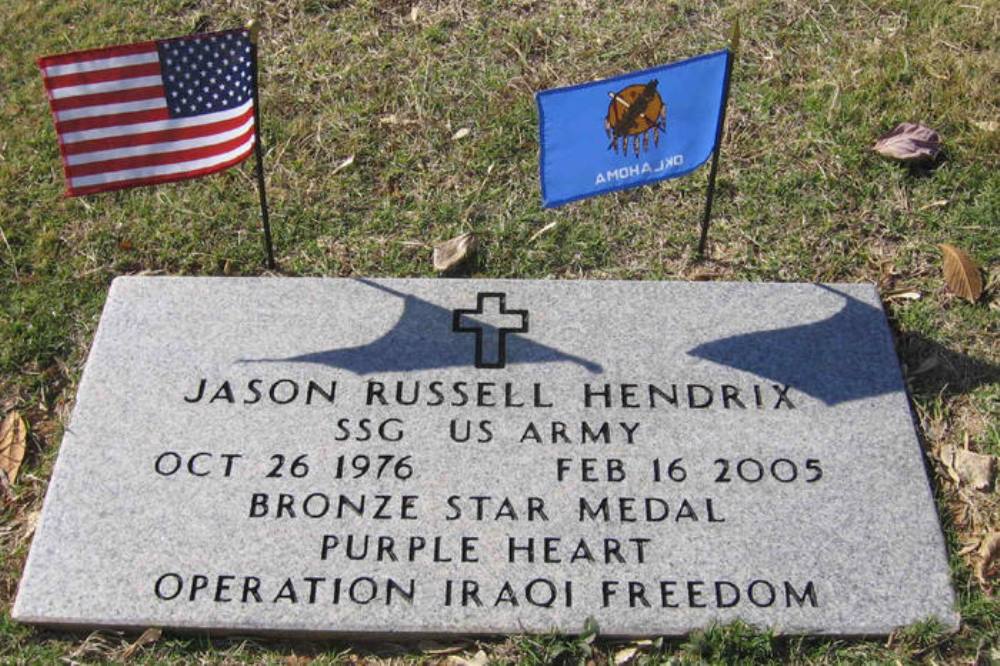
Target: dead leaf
column 909, row 142
column 903, row 295
column 969, row 548
column 297, row 660
column 988, row 553
column 986, row 125
column 451, row 253
column 625, row 655
column 414, row 13
column 968, row 468
column 548, row 227
column 393, row 119
column 30, row 522
column 461, row 134
column 148, row 637
column 435, row 649
column 343, row 165
column 13, row 435
column 479, row 659
column 940, row 203
column 926, row 365
column 961, row 273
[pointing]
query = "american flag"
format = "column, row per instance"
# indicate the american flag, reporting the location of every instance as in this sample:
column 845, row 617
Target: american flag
column 152, row 112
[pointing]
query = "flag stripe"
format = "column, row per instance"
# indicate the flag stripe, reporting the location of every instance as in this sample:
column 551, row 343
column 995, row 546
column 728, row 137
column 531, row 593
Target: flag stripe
column 106, row 98
column 117, row 123
column 84, row 78
column 154, row 180
column 160, row 123
column 109, row 177
column 148, row 54
column 87, row 89
column 174, row 133
column 109, row 109
column 167, row 147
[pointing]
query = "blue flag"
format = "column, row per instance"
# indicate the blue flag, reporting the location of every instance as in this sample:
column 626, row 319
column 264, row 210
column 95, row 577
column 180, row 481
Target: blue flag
column 630, row 130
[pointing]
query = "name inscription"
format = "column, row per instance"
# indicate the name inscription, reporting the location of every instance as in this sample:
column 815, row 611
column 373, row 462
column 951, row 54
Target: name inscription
column 336, row 497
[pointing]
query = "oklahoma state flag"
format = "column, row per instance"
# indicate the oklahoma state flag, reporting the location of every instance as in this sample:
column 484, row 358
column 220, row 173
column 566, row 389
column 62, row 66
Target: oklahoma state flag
column 630, row 130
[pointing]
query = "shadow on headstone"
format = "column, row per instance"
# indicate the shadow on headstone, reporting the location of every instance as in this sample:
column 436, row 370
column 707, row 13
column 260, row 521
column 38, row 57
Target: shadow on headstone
column 835, row 360
column 422, row 339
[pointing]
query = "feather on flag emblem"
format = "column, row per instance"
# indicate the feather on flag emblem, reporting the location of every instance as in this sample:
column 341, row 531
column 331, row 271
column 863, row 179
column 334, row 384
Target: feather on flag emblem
column 636, row 111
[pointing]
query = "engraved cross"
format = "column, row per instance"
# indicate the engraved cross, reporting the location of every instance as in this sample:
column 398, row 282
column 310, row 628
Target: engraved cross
column 491, row 321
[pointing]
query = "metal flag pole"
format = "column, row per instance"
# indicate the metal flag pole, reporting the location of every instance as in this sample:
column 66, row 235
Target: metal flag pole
column 710, row 193
column 258, row 151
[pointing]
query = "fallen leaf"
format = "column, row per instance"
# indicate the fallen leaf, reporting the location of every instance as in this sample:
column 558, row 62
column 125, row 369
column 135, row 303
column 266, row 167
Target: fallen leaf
column 393, row 119
column 451, row 253
column 961, row 273
column 414, row 13
column 148, row 637
column 297, row 660
column 13, row 435
column 935, row 204
column 625, row 655
column 986, row 125
column 988, row 553
column 433, row 648
column 926, row 365
column 903, row 295
column 343, row 165
column 968, row 468
column 461, row 134
column 479, row 659
column 909, row 142
column 548, row 227
column 969, row 548
column 30, row 522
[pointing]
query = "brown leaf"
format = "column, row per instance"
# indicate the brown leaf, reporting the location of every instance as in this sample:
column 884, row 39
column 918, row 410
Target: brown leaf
column 968, row 468
column 451, row 253
column 151, row 635
column 909, row 142
column 297, row 660
column 625, row 655
column 461, row 134
column 478, row 659
column 13, row 435
column 346, row 162
column 961, row 273
column 988, row 554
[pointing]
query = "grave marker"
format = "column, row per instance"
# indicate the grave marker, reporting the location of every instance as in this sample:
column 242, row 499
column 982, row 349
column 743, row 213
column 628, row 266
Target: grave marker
column 342, row 457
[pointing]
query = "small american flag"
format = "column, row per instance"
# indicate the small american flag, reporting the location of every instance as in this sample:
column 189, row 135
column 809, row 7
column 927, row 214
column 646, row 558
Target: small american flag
column 152, row 112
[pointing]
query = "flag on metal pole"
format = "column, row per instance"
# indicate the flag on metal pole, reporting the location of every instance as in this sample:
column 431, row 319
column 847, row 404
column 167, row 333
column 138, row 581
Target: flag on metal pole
column 154, row 112
column 630, row 130
column 259, row 151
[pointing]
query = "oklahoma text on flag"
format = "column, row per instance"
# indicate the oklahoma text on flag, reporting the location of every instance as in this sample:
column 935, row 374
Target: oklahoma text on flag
column 152, row 112
column 630, row 130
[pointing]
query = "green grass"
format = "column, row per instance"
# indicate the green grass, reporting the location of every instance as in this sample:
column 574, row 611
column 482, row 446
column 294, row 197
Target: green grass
column 801, row 197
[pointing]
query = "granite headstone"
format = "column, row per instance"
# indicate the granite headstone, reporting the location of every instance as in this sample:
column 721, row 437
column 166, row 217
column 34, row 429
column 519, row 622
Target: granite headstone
column 363, row 457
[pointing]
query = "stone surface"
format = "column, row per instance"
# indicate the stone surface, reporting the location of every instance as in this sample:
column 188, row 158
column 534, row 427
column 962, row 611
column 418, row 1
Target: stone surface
column 796, row 499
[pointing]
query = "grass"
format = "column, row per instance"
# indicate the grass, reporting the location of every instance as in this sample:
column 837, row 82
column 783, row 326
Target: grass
column 800, row 197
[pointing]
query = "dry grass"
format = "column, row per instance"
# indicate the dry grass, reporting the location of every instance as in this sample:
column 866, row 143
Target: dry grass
column 800, row 197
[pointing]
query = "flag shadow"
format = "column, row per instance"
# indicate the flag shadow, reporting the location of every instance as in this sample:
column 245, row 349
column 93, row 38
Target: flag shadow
column 837, row 359
column 934, row 370
column 422, row 339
